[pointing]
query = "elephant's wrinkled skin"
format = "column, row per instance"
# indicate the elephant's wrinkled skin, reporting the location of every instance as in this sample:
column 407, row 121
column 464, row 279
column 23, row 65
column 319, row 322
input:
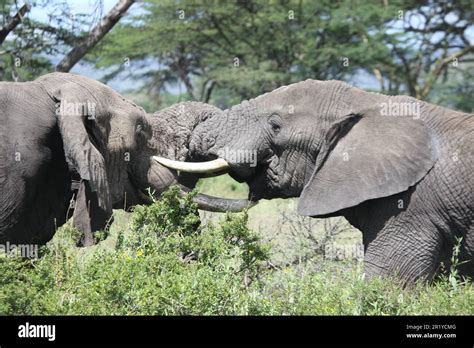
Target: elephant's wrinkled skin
column 398, row 169
column 64, row 136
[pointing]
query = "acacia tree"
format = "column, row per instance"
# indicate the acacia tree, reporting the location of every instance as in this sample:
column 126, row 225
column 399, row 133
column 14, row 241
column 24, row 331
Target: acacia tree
column 29, row 47
column 432, row 42
column 12, row 22
column 237, row 50
column 240, row 49
column 91, row 39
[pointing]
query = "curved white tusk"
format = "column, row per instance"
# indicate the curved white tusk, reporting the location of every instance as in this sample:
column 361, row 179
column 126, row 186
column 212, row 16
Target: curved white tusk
column 194, row 167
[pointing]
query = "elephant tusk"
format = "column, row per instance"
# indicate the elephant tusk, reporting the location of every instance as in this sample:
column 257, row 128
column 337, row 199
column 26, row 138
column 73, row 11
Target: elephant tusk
column 194, row 167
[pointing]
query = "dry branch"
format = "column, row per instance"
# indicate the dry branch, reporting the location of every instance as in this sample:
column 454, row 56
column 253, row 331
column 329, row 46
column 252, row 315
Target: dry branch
column 99, row 31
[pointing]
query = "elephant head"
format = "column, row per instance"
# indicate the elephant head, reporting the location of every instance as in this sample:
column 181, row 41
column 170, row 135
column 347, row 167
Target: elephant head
column 319, row 141
column 109, row 144
column 102, row 134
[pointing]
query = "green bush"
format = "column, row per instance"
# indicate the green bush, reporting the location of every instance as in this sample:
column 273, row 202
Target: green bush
column 165, row 263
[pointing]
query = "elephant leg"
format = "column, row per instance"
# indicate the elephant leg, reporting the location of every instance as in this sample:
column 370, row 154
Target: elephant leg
column 467, row 254
column 407, row 251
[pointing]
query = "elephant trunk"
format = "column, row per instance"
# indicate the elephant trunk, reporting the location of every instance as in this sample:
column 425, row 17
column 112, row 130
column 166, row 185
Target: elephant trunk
column 233, row 138
column 219, row 205
column 172, row 129
column 160, row 178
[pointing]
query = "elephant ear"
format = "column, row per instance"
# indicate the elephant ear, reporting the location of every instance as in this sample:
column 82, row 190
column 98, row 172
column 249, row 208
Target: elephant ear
column 76, row 118
column 368, row 157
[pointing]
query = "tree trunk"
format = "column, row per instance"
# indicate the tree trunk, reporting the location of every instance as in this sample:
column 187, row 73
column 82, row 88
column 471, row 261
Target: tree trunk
column 6, row 29
column 99, row 31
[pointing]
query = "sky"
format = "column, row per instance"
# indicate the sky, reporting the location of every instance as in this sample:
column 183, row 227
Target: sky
column 77, row 6
column 88, row 7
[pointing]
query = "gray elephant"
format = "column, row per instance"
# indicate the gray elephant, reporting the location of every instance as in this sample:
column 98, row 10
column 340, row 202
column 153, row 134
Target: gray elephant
column 65, row 136
column 398, row 169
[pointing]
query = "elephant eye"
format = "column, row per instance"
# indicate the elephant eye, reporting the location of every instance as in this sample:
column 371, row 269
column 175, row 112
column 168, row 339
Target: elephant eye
column 275, row 123
column 139, row 129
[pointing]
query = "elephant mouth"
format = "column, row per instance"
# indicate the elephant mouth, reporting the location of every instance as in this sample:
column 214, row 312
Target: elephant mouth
column 135, row 195
column 257, row 178
column 264, row 180
column 258, row 184
column 144, row 197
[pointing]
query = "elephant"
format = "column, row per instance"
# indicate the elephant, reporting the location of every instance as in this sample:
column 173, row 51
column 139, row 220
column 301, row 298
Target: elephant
column 70, row 145
column 398, row 169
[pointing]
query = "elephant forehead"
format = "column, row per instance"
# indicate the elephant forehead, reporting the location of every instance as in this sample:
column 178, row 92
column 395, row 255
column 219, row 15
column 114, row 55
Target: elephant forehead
column 307, row 97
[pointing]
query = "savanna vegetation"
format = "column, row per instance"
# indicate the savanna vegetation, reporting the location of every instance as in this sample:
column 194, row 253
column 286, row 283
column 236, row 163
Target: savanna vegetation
column 169, row 258
column 161, row 260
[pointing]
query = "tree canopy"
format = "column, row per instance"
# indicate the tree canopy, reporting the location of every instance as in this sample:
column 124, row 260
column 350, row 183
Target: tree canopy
column 232, row 50
column 223, row 52
column 34, row 45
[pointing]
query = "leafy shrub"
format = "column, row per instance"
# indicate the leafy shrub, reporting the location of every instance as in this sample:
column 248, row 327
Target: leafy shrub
column 165, row 263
